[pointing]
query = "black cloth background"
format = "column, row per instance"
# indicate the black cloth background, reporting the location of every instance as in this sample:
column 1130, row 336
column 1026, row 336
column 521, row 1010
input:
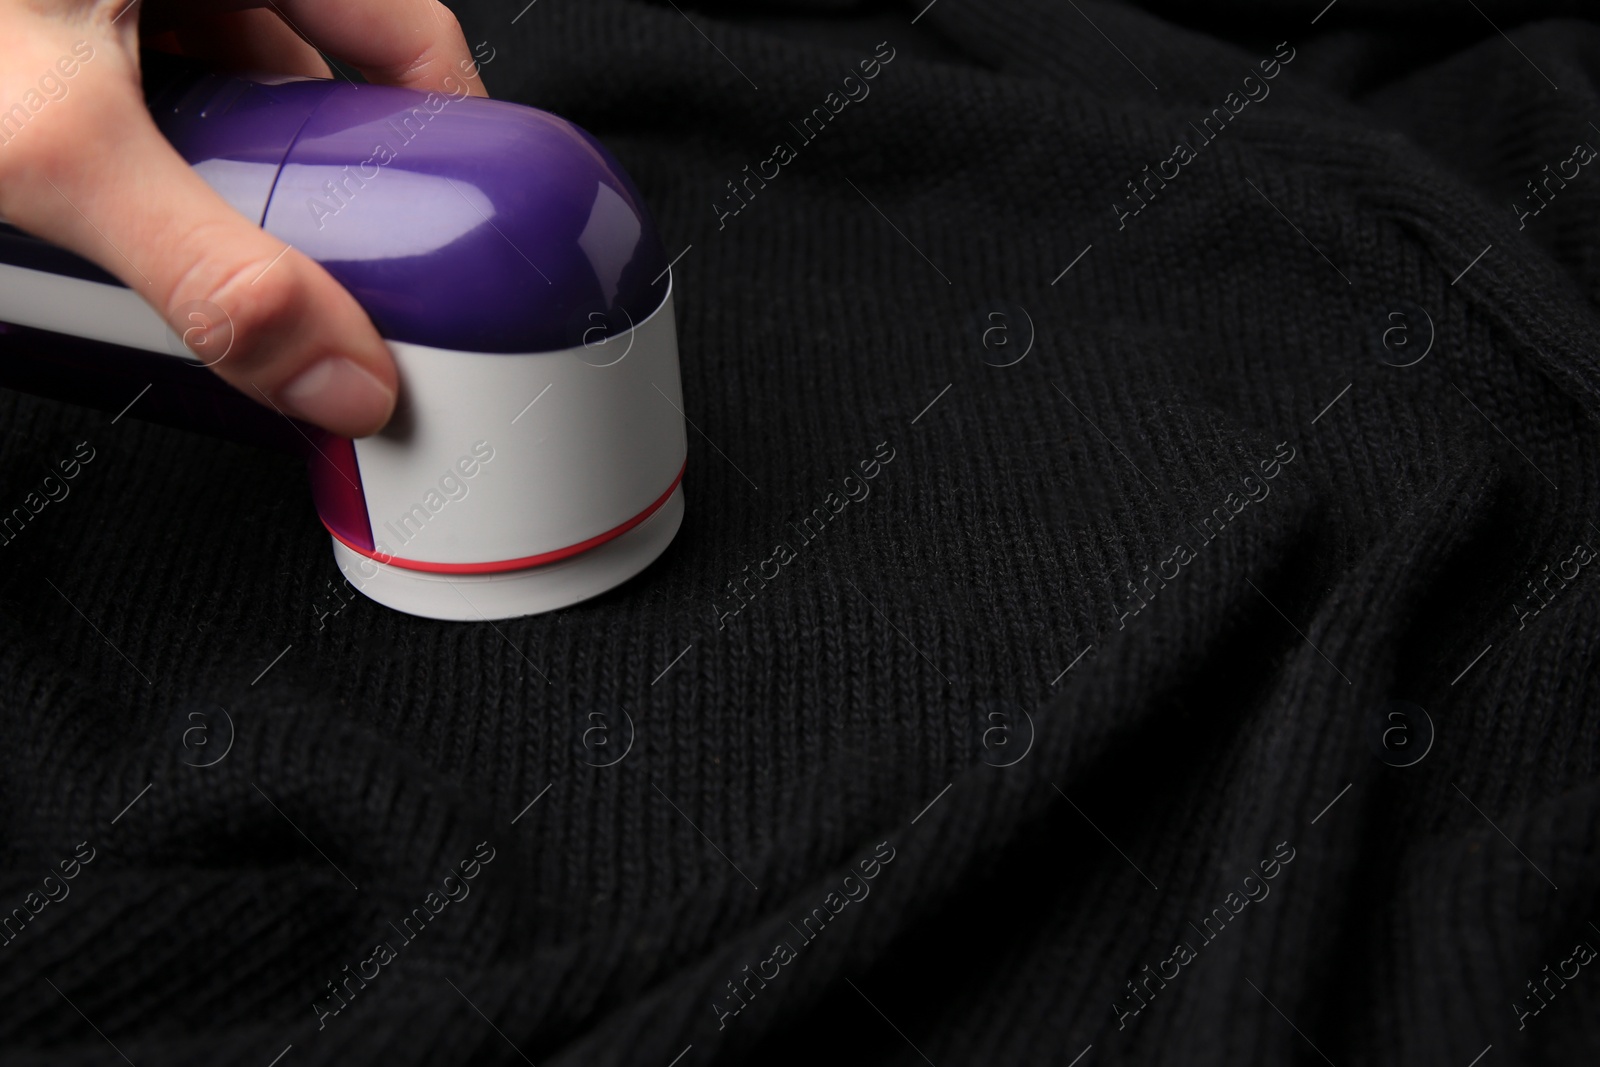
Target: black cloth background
column 877, row 689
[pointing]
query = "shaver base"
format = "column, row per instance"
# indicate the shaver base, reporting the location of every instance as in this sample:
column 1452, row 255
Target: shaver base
column 507, row 595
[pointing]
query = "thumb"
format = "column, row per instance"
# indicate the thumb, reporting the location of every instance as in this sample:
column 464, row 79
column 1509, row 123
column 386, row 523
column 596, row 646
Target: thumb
column 103, row 182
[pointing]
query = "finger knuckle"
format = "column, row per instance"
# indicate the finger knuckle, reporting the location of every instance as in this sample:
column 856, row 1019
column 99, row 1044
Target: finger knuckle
column 257, row 301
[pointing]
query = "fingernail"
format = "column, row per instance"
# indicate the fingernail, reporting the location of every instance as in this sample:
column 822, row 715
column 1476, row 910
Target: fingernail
column 339, row 395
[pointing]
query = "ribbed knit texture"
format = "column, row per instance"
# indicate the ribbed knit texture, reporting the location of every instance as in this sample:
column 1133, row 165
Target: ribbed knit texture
column 904, row 679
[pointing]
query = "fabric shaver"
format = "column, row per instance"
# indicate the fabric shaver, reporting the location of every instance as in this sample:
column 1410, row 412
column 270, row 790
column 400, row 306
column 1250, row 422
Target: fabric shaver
column 537, row 453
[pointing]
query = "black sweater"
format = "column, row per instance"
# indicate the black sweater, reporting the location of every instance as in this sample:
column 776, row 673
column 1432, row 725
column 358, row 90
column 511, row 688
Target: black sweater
column 1201, row 675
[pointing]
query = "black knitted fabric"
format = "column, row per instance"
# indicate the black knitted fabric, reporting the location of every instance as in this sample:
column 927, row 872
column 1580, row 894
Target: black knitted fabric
column 1193, row 666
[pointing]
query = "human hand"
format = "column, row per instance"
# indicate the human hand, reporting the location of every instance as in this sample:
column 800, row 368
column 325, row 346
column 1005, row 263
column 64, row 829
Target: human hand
column 83, row 165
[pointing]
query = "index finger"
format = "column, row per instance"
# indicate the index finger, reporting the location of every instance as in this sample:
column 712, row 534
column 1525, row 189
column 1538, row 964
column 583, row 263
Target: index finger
column 417, row 44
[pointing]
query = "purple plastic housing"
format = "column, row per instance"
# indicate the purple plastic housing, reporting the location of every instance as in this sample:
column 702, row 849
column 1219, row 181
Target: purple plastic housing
column 457, row 222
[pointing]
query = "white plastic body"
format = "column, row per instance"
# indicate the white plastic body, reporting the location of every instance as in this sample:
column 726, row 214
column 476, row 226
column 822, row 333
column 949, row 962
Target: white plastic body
column 494, row 458
column 80, row 308
column 491, row 458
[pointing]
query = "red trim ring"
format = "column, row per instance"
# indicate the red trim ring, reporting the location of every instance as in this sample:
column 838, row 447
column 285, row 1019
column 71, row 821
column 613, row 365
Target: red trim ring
column 526, row 561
